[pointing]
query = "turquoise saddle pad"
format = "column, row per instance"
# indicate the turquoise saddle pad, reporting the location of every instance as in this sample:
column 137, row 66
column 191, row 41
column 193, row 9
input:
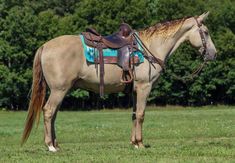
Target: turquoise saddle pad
column 91, row 52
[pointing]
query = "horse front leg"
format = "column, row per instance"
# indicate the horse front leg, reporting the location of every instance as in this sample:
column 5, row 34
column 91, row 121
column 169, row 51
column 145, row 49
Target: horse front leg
column 133, row 131
column 142, row 92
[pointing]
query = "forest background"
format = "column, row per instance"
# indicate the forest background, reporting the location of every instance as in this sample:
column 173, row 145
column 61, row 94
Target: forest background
column 26, row 24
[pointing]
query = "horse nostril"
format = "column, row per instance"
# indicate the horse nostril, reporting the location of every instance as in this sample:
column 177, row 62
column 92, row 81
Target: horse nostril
column 215, row 54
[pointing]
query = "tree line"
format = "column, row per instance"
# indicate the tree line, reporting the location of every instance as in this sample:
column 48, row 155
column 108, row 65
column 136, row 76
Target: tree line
column 25, row 25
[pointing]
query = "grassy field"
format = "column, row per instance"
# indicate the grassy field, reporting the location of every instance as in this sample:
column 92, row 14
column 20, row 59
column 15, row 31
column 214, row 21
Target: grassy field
column 174, row 134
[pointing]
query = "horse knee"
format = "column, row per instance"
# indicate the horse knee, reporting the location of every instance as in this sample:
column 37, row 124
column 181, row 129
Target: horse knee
column 140, row 116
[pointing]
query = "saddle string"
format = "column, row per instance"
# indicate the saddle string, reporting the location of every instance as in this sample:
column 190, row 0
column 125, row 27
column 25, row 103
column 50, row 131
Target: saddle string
column 101, row 64
column 96, row 62
column 133, row 58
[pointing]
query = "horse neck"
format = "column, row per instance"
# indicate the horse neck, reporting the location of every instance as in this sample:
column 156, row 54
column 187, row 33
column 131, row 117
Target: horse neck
column 162, row 47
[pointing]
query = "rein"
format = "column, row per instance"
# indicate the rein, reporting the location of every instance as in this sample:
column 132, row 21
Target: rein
column 199, row 69
column 191, row 76
column 152, row 59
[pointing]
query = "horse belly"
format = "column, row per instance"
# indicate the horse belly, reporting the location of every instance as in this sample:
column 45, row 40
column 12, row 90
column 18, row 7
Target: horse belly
column 90, row 79
column 95, row 87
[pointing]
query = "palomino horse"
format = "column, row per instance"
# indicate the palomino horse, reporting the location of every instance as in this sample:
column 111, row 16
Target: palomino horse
column 60, row 64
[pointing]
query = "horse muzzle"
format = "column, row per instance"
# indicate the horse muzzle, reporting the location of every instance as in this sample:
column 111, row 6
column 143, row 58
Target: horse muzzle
column 209, row 54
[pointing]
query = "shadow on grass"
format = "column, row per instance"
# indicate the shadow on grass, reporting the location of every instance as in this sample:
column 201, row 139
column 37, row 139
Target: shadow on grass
column 147, row 146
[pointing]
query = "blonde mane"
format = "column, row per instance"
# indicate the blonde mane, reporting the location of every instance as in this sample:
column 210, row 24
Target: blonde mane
column 165, row 29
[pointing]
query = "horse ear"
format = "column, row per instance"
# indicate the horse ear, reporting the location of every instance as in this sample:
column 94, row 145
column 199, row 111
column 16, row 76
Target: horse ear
column 203, row 17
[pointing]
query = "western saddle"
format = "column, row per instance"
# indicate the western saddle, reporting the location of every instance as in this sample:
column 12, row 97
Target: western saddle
column 123, row 41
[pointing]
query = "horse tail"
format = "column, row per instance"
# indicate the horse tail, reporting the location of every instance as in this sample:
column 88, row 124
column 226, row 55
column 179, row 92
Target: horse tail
column 37, row 96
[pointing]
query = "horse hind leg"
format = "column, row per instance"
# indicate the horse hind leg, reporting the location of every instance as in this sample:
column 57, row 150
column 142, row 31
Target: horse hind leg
column 49, row 113
column 55, row 143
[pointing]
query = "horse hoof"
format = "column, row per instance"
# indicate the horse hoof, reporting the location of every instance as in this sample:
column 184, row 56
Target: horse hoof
column 52, row 149
column 134, row 144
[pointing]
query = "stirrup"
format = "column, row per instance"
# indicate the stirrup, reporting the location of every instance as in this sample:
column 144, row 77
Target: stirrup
column 123, row 77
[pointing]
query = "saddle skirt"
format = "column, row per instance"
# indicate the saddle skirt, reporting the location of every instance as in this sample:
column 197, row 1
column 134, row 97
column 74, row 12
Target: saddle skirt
column 110, row 55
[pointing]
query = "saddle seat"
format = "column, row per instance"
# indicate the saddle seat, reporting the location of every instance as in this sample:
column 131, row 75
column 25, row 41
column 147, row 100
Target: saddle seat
column 115, row 41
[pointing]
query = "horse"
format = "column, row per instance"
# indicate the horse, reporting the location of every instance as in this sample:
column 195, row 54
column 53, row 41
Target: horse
column 60, row 65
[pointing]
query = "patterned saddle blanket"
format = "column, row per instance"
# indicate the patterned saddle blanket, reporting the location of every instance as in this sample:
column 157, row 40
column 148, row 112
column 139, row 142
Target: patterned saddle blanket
column 110, row 55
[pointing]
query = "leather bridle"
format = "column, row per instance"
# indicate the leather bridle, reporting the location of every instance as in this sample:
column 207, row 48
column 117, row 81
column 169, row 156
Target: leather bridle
column 202, row 35
column 204, row 53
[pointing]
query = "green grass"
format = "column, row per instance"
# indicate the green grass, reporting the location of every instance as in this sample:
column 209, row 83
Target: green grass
column 175, row 134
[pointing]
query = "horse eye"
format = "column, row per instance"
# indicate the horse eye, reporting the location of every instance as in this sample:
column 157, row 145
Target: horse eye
column 206, row 32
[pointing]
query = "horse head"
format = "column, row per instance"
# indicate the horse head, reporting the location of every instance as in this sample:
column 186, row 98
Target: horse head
column 200, row 38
